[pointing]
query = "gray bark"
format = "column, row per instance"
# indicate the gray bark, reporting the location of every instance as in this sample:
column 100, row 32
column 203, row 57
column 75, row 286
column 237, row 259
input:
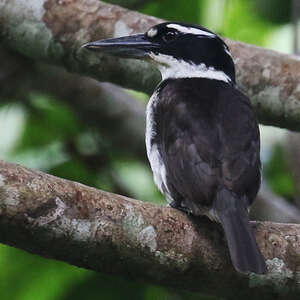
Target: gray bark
column 105, row 232
column 54, row 30
column 271, row 207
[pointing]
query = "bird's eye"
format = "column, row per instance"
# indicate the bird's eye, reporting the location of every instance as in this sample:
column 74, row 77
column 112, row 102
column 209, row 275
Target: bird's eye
column 170, row 35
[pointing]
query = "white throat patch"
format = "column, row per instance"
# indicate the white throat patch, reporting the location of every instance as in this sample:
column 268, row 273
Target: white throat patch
column 172, row 68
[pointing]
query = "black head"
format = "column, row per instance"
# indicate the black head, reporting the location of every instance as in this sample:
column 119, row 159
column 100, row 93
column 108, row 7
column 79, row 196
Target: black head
column 180, row 50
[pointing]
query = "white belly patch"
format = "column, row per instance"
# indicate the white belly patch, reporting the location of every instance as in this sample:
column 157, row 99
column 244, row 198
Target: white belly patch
column 156, row 163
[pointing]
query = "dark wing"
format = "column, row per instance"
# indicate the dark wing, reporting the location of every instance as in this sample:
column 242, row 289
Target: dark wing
column 188, row 143
column 206, row 142
column 239, row 136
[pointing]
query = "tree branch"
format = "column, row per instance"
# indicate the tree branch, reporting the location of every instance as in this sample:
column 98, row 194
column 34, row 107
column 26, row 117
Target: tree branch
column 272, row 207
column 53, row 30
column 109, row 233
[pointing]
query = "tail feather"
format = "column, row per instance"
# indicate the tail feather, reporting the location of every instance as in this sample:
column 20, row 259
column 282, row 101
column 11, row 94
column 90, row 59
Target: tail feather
column 244, row 251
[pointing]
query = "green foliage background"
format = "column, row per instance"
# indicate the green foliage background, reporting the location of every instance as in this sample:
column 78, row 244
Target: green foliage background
column 45, row 134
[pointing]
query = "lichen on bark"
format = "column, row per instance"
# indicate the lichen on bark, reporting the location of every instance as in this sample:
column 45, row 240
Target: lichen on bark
column 113, row 234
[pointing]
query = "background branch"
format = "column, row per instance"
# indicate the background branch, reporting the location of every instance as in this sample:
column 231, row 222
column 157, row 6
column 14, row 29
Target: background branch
column 110, row 233
column 53, row 31
column 271, row 207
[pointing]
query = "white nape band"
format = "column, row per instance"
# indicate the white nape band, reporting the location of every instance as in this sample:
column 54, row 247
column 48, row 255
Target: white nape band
column 191, row 30
column 173, row 68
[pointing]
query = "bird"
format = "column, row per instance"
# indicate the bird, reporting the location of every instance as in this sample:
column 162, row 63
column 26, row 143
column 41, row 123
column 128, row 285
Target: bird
column 202, row 136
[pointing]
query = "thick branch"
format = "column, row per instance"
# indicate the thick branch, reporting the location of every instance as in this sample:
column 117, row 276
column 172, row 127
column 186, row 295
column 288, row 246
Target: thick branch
column 113, row 234
column 53, row 30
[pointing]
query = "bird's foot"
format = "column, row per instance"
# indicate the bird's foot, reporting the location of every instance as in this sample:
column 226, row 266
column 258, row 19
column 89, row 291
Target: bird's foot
column 176, row 204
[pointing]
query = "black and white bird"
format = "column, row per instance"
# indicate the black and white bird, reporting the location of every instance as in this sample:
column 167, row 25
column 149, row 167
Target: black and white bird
column 202, row 137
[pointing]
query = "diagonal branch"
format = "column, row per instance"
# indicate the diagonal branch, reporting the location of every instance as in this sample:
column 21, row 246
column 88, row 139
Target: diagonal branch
column 53, row 30
column 109, row 233
column 272, row 207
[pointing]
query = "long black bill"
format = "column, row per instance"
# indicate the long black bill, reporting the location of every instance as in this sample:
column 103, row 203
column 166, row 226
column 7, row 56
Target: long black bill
column 134, row 46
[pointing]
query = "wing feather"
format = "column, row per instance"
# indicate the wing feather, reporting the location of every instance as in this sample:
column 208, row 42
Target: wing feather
column 206, row 143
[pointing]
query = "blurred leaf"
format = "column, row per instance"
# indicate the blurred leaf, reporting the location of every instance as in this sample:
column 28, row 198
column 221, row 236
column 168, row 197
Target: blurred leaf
column 278, row 174
column 88, row 143
column 174, row 10
column 105, row 182
column 75, row 170
column 41, row 158
column 153, row 293
column 275, row 11
column 47, row 121
column 241, row 22
column 29, row 277
column 107, row 288
column 12, row 120
column 138, row 179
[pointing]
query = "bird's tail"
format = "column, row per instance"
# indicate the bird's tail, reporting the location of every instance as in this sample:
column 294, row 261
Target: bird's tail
column 244, row 251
